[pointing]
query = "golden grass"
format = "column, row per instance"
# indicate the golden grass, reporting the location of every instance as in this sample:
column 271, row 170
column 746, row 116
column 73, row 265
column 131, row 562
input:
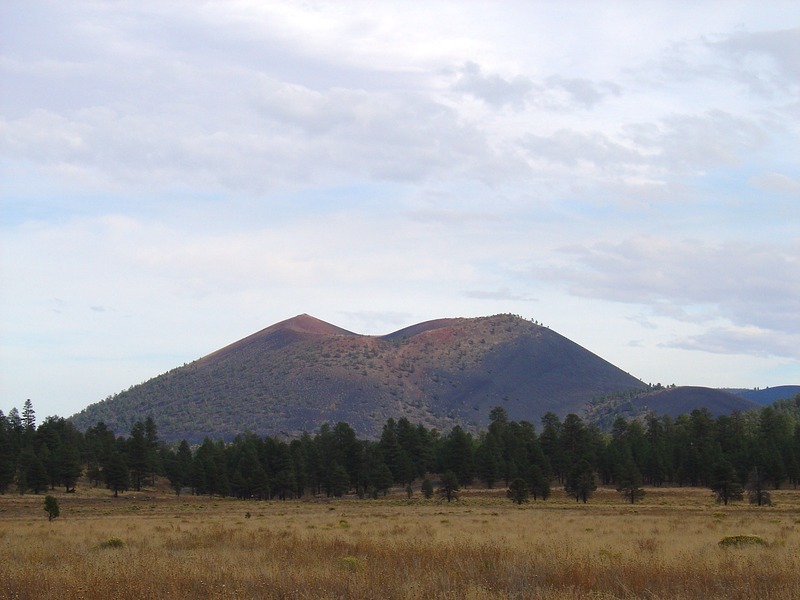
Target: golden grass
column 153, row 545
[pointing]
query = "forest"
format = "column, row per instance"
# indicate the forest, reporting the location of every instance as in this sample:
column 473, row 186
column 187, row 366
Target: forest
column 743, row 452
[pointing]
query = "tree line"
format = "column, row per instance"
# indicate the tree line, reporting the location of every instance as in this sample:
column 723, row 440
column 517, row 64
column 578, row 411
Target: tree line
column 755, row 451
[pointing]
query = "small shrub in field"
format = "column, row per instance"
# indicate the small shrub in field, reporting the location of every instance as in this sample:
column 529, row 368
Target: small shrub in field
column 113, row 542
column 51, row 506
column 349, row 563
column 736, row 541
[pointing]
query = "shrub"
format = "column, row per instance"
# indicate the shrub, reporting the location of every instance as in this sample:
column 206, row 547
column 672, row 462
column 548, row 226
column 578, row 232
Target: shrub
column 735, row 541
column 51, row 506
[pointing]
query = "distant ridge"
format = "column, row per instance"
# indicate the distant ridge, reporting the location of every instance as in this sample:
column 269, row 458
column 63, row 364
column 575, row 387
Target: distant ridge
column 672, row 401
column 768, row 395
column 682, row 400
column 297, row 374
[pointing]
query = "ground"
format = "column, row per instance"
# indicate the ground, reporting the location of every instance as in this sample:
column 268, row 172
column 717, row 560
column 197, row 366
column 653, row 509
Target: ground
column 154, row 545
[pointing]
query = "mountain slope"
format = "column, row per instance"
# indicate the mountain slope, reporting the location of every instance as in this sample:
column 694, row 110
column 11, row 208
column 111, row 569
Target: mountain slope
column 299, row 373
column 672, row 401
column 768, row 395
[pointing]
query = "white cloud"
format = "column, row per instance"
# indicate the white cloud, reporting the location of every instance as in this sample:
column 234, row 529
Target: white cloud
column 776, row 183
column 750, row 286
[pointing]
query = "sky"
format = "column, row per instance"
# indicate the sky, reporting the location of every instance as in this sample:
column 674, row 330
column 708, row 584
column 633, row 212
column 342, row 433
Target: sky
column 177, row 175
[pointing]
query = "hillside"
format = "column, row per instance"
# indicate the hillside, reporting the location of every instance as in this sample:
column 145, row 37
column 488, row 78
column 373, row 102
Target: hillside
column 297, row 374
column 768, row 395
column 672, row 401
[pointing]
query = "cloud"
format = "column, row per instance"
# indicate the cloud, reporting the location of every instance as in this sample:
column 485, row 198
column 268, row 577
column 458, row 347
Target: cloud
column 500, row 294
column 582, row 92
column 776, row 183
column 749, row 285
column 765, row 61
column 493, row 89
column 750, row 341
column 572, row 147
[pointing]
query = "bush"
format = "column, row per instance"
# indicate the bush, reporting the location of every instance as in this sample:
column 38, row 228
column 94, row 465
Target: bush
column 735, row 541
column 427, row 488
column 113, row 542
column 51, row 506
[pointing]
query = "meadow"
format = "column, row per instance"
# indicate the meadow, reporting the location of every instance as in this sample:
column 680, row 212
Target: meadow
column 156, row 545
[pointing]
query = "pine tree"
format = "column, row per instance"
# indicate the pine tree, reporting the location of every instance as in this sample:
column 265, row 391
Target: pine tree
column 580, row 482
column 518, row 491
column 630, row 482
column 37, row 476
column 69, row 467
column 339, row 481
column 116, row 474
column 138, row 455
column 725, row 483
column 757, row 488
column 427, row 488
column 51, row 506
column 28, row 417
column 448, row 486
column 538, row 483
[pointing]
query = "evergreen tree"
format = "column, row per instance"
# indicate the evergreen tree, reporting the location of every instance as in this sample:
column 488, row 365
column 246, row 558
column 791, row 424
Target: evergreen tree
column 448, row 486
column 283, row 481
column 138, row 455
column 575, row 441
column 427, row 488
column 154, row 465
column 36, row 475
column 338, row 482
column 655, row 470
column 51, row 507
column 70, row 468
column 458, row 455
column 518, row 491
column 538, row 483
column 489, row 460
column 7, row 456
column 391, row 450
column 29, row 417
column 757, row 488
column 630, row 481
column 100, row 445
column 580, row 481
column 549, row 441
column 725, row 483
column 116, row 474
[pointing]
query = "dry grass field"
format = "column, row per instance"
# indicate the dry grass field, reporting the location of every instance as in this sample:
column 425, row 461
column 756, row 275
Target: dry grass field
column 154, row 545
